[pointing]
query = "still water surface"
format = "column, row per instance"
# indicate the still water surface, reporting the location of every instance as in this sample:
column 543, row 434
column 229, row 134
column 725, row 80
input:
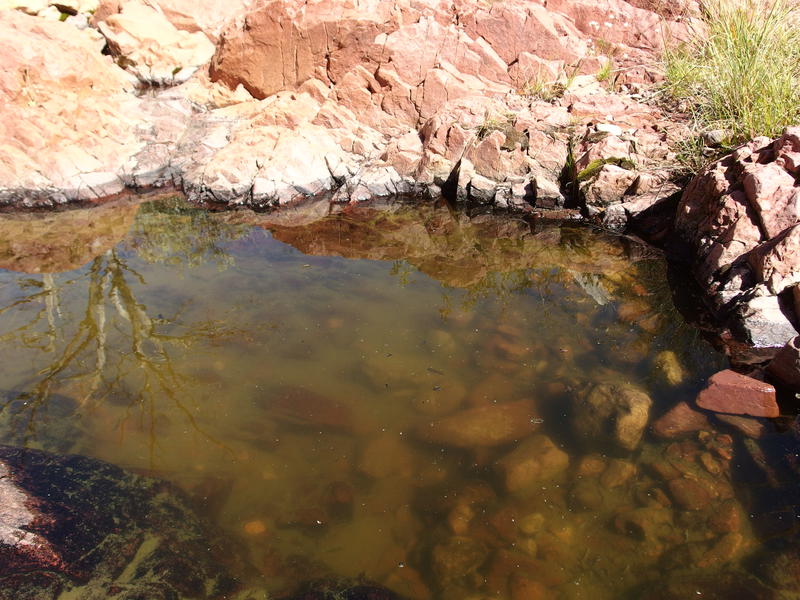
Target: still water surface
column 288, row 377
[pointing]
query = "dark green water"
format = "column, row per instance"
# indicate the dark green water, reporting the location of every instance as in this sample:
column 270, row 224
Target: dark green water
column 288, row 376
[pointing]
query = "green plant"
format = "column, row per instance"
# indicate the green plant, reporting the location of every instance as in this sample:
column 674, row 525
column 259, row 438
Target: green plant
column 540, row 88
column 741, row 71
column 605, row 71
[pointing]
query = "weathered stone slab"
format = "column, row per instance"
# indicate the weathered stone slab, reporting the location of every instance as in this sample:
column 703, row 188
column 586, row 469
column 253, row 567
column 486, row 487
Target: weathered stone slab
column 733, row 393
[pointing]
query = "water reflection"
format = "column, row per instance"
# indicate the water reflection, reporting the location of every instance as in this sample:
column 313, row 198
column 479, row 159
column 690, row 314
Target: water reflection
column 109, row 345
column 455, row 407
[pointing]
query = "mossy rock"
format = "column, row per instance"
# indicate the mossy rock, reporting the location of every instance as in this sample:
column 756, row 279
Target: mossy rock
column 95, row 531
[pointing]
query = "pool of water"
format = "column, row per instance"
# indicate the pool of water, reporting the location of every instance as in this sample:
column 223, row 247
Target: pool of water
column 399, row 393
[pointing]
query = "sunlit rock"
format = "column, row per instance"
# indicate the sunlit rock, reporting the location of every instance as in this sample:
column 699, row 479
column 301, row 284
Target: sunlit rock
column 731, row 392
column 152, row 48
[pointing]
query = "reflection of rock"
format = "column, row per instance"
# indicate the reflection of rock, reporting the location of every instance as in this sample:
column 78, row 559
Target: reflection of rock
column 491, row 425
column 62, row 241
column 78, row 526
column 459, row 252
column 611, row 413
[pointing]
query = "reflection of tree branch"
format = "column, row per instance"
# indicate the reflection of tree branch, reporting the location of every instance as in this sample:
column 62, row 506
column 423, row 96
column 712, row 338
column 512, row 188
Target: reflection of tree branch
column 149, row 359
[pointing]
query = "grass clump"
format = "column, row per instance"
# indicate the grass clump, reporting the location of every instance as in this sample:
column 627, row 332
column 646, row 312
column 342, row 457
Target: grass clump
column 742, row 70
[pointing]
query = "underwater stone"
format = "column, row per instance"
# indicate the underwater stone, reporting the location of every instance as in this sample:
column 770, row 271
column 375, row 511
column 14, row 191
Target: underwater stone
column 680, row 420
column 535, row 459
column 612, row 413
column 484, row 426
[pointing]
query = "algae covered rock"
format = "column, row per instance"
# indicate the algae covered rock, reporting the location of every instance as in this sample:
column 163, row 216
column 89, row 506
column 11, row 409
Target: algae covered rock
column 71, row 525
column 614, row 413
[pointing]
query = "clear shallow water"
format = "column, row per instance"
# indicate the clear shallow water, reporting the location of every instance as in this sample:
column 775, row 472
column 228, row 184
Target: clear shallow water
column 288, row 377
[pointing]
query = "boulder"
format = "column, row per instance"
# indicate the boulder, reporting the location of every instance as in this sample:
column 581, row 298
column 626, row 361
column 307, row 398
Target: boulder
column 733, row 393
column 71, row 525
column 612, row 413
column 145, row 43
column 67, row 122
column 762, row 322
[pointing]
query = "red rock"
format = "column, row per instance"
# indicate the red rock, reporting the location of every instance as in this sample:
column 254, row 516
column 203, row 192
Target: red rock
column 680, row 420
column 730, row 392
column 743, row 211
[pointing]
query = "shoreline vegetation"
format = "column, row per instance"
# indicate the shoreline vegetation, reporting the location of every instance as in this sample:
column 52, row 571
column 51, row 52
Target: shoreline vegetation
column 738, row 75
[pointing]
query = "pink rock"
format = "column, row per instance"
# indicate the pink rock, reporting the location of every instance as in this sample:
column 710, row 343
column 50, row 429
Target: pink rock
column 777, row 263
column 680, row 420
column 772, row 191
column 730, row 392
column 153, row 49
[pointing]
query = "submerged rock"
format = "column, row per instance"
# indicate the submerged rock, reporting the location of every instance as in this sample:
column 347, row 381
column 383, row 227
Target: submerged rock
column 668, row 367
column 77, row 526
column 679, row 421
column 491, row 425
column 535, row 459
column 611, row 413
column 457, row 557
column 343, row 590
